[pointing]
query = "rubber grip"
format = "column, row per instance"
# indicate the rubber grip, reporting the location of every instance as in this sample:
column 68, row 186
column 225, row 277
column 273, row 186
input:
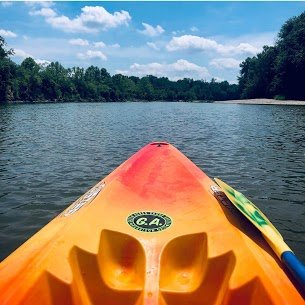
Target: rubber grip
column 295, row 267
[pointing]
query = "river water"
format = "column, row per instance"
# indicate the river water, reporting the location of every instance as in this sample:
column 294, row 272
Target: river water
column 50, row 154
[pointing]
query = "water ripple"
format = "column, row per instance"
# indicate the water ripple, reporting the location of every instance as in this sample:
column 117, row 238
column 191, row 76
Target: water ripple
column 50, row 154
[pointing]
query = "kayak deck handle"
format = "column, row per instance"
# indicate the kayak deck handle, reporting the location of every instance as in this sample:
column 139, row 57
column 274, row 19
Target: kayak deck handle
column 159, row 144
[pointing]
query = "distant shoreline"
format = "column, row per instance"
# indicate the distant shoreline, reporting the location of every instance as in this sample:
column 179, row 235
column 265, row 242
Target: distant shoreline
column 259, row 101
column 262, row 101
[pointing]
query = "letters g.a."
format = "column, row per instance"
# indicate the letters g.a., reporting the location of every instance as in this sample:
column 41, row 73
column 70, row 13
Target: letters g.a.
column 149, row 221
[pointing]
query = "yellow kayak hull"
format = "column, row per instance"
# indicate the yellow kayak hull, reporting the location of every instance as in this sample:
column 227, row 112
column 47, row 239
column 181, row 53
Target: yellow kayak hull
column 151, row 232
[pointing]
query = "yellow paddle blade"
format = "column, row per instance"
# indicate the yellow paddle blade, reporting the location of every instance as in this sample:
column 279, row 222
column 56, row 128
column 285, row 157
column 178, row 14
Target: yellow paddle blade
column 248, row 209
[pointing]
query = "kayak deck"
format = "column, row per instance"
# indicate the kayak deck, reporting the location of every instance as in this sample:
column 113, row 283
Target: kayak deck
column 151, row 232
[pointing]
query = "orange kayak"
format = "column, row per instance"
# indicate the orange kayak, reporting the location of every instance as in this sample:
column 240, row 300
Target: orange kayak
column 150, row 233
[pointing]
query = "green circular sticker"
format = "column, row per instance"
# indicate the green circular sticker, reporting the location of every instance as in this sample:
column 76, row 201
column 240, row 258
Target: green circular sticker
column 149, row 221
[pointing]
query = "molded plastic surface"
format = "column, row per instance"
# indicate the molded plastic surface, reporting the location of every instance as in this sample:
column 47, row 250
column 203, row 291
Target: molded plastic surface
column 185, row 247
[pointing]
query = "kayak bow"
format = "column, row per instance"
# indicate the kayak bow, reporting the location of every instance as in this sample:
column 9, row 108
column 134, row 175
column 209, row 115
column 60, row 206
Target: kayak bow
column 150, row 233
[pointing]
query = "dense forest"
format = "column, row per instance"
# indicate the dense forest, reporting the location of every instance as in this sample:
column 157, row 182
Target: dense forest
column 277, row 72
column 32, row 82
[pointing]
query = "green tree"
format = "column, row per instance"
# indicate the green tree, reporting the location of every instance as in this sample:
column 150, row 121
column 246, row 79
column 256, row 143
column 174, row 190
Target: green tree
column 29, row 80
column 56, row 83
column 4, row 53
column 7, row 72
column 145, row 90
column 124, row 87
column 290, row 62
column 278, row 70
column 257, row 74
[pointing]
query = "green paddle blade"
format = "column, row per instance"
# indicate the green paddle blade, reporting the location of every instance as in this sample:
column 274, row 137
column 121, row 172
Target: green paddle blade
column 270, row 233
column 248, row 209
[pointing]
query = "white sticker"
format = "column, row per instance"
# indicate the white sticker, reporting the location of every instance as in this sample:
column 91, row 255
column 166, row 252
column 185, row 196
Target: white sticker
column 85, row 199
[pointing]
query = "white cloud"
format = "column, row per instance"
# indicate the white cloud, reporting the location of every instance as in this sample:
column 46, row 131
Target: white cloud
column 9, row 34
column 233, row 82
column 151, row 31
column 177, row 70
column 218, row 79
column 115, row 45
column 191, row 42
column 92, row 54
column 242, row 48
column 47, row 48
column 257, row 40
column 6, row 3
column 45, row 12
column 22, row 54
column 42, row 62
column 123, row 72
column 153, row 46
column 67, row 25
column 91, row 20
column 79, row 42
column 178, row 32
column 227, row 63
column 99, row 44
column 98, row 15
column 194, row 29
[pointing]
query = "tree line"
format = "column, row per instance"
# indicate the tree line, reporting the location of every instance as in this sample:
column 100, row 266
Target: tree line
column 277, row 72
column 30, row 81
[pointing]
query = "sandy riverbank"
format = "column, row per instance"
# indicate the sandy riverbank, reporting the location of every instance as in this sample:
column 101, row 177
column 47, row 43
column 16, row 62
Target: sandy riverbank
column 262, row 101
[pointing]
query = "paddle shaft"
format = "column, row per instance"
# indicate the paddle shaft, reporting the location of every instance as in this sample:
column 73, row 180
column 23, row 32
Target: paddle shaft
column 269, row 232
column 294, row 266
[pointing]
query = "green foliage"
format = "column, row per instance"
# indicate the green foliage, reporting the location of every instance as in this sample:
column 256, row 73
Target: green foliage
column 4, row 53
column 277, row 71
column 280, row 70
column 7, row 72
column 32, row 82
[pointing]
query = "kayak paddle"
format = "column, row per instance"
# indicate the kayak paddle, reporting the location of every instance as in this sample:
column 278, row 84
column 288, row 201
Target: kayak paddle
column 270, row 233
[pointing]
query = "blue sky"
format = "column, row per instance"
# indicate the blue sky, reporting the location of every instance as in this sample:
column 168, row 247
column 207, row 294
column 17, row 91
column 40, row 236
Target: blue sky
column 200, row 40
